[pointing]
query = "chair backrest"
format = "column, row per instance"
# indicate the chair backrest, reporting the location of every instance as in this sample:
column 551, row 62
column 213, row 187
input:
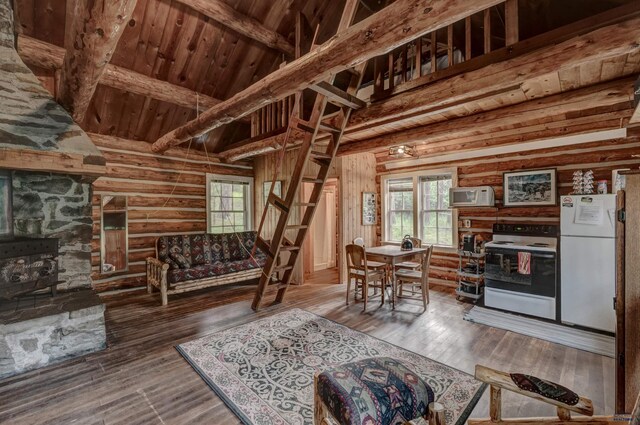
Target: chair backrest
column 426, row 261
column 417, row 243
column 358, row 241
column 356, row 257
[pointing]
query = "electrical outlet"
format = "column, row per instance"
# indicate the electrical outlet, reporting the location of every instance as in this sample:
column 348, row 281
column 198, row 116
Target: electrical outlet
column 466, row 223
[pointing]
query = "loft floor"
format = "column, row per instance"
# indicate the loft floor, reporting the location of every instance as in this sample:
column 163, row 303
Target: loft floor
column 141, row 378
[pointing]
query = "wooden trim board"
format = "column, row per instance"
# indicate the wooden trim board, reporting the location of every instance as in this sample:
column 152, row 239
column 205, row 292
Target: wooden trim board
column 564, row 335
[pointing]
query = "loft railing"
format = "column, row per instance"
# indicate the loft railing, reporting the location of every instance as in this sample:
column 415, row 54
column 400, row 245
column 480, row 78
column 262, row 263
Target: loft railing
column 441, row 53
column 486, row 37
column 424, row 59
column 272, row 117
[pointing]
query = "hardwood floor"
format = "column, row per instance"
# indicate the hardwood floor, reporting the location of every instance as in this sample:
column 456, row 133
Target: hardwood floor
column 141, row 378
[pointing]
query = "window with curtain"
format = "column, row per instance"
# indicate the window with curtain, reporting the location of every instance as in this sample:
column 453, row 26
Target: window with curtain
column 229, row 201
column 418, row 205
column 436, row 219
column 399, row 209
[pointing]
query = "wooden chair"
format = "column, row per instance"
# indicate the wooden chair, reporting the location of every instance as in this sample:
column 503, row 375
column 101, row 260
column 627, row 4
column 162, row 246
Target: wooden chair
column 417, row 277
column 358, row 269
column 411, row 265
column 372, row 264
column 501, row 380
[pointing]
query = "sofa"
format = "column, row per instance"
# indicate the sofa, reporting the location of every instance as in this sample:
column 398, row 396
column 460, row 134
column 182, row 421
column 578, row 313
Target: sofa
column 186, row 263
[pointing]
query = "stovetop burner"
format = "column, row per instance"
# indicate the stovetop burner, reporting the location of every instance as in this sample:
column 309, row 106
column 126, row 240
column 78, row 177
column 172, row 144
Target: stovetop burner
column 540, row 244
column 503, row 243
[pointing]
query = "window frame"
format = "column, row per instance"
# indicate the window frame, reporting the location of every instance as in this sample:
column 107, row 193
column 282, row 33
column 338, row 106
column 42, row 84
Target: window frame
column 417, row 210
column 248, row 202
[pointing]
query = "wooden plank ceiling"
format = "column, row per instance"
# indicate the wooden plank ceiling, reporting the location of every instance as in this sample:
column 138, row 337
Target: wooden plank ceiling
column 169, row 41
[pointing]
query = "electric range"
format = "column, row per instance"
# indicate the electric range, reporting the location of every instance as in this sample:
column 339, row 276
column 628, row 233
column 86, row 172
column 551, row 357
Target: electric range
column 521, row 271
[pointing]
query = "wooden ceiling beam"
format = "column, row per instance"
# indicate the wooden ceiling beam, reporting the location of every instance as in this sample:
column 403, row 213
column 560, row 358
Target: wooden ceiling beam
column 93, row 30
column 114, row 143
column 226, row 15
column 558, row 126
column 259, row 145
column 600, row 95
column 397, row 24
column 48, row 56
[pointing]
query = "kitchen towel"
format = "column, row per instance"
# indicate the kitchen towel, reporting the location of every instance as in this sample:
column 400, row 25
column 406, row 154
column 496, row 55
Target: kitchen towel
column 524, row 263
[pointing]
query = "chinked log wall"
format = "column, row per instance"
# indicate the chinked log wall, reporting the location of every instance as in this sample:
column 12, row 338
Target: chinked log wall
column 602, row 157
column 156, row 204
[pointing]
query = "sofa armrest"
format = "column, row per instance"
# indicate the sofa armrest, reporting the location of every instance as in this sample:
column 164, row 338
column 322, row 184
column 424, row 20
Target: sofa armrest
column 157, row 275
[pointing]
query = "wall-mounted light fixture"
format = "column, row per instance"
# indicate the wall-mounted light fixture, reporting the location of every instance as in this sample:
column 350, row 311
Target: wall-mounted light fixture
column 401, row 151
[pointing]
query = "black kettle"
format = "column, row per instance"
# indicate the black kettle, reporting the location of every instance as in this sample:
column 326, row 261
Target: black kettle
column 407, row 243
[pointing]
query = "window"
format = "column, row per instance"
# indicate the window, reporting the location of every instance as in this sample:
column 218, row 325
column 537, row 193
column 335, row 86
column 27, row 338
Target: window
column 400, row 211
column 436, row 219
column 229, row 201
column 417, row 204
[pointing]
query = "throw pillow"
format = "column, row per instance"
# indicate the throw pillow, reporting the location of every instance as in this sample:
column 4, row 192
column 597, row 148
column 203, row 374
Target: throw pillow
column 180, row 260
column 172, row 264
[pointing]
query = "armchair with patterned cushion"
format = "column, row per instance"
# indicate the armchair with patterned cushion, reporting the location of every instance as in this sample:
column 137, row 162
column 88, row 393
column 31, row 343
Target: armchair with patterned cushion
column 565, row 400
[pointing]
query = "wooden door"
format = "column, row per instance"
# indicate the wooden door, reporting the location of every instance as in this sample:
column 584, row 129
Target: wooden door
column 628, row 300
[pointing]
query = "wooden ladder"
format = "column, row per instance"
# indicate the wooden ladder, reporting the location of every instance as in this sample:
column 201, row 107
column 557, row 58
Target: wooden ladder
column 276, row 276
column 322, row 122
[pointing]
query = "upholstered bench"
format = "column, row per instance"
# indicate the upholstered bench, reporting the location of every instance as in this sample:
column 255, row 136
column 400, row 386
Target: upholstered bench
column 370, row 391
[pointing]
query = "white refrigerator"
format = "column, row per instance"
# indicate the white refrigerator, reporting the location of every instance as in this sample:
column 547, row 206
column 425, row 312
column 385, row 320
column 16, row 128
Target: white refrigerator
column 588, row 261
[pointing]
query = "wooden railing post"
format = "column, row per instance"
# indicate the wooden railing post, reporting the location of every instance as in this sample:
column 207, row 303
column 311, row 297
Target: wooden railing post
column 450, row 45
column 512, row 34
column 434, row 52
column 467, row 39
column 392, row 69
column 487, row 31
column 418, row 57
column 403, row 60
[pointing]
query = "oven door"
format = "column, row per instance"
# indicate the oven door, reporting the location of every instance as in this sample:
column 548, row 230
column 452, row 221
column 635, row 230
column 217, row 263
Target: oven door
column 501, row 271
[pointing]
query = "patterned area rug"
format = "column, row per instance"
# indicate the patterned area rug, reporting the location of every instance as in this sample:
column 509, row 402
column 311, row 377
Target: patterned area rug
column 264, row 370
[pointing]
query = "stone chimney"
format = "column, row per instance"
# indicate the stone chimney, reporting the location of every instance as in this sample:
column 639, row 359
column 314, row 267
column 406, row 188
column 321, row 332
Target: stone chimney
column 51, row 160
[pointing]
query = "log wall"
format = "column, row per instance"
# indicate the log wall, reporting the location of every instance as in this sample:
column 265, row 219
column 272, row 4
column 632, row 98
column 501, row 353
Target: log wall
column 602, row 157
column 166, row 195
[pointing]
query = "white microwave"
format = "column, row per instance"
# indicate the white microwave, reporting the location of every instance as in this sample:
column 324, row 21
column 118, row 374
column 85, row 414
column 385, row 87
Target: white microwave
column 482, row 196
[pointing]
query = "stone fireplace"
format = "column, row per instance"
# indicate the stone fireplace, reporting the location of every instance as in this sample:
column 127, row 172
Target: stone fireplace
column 49, row 163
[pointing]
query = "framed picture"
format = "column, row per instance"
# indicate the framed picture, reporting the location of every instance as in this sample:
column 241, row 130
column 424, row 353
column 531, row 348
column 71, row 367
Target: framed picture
column 277, row 189
column 618, row 180
column 529, row 188
column 369, row 206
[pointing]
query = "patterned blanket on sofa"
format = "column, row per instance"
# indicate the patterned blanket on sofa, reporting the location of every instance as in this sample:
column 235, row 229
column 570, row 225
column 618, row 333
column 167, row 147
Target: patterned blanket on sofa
column 208, row 255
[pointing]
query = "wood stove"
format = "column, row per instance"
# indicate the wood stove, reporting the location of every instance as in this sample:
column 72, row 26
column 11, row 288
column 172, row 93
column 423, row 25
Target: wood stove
column 28, row 265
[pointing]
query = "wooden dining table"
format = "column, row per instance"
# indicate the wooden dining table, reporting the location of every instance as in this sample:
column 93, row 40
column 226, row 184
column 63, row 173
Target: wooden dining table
column 392, row 255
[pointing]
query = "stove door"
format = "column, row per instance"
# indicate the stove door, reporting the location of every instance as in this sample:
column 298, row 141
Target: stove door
column 501, row 271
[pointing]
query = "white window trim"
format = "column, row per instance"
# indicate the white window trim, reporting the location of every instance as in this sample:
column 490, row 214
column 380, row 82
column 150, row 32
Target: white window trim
column 231, row 179
column 415, row 175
